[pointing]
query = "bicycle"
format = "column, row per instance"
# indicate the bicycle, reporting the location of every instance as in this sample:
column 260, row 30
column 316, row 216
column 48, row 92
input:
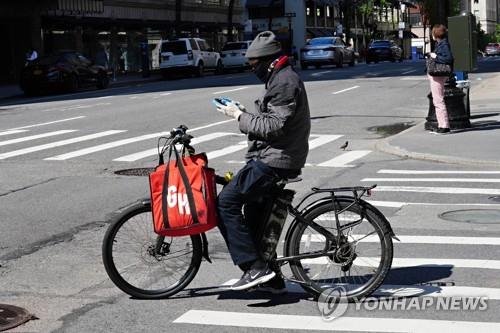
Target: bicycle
column 336, row 240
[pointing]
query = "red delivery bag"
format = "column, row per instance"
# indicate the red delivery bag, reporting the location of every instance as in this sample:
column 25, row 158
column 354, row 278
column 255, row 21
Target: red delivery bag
column 183, row 196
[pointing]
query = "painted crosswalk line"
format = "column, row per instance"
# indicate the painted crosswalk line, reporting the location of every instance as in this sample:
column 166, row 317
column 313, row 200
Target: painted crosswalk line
column 355, row 324
column 439, row 180
column 343, row 160
column 35, row 137
column 440, row 190
column 12, row 132
column 322, row 139
column 105, row 146
column 398, row 204
column 226, row 151
column 414, row 262
column 436, row 172
column 48, row 123
column 58, row 144
column 154, row 151
column 391, row 290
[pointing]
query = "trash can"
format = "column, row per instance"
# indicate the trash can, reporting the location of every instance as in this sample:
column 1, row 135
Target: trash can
column 457, row 105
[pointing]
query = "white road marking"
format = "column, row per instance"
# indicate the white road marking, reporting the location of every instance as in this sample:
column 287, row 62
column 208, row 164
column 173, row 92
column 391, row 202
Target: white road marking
column 396, row 204
column 49, row 123
column 413, row 78
column 76, row 107
column 343, row 160
column 105, row 146
column 321, row 73
column 414, row 239
column 154, row 151
column 321, row 140
column 444, row 190
column 344, row 90
column 430, row 172
column 355, row 324
column 210, row 125
column 34, row 137
column 228, row 150
column 412, row 262
column 58, row 144
column 442, row 180
column 408, row 72
column 12, row 132
column 226, row 91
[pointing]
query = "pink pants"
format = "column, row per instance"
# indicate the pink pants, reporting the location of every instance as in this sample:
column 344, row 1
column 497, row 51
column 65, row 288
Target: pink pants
column 437, row 90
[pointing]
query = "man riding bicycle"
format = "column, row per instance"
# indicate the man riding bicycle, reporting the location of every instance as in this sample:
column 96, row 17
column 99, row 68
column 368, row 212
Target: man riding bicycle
column 278, row 133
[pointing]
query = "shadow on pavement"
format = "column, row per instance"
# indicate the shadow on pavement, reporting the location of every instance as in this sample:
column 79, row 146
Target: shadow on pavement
column 418, row 275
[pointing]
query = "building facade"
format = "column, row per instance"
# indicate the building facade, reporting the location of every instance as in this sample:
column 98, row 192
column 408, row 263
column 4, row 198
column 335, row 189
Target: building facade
column 114, row 27
column 487, row 14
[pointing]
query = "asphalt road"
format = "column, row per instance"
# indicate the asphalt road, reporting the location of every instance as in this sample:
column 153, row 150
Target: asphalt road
column 58, row 189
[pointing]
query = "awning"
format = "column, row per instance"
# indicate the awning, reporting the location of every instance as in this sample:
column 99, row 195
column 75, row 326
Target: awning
column 81, row 6
column 264, row 3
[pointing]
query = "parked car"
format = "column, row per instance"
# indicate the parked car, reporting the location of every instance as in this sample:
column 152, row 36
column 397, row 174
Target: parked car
column 380, row 50
column 66, row 70
column 326, row 51
column 492, row 49
column 233, row 55
column 188, row 55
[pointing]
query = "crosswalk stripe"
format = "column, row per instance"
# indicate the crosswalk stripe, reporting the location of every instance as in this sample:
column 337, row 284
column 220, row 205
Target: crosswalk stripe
column 58, row 144
column 48, row 123
column 34, row 137
column 105, row 146
column 411, row 239
column 343, row 160
column 430, row 172
column 12, row 132
column 322, row 140
column 396, row 204
column 441, row 180
column 154, row 151
column 391, row 290
column 412, row 262
column 228, row 150
column 356, row 324
column 443, row 190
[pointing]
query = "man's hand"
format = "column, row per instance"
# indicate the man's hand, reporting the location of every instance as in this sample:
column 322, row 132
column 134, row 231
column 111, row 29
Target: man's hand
column 232, row 110
column 433, row 55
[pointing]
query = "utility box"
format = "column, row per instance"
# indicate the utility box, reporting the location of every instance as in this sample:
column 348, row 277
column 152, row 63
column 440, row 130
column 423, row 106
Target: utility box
column 462, row 35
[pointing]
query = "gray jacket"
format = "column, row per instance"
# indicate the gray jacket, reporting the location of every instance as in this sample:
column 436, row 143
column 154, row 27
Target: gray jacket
column 278, row 129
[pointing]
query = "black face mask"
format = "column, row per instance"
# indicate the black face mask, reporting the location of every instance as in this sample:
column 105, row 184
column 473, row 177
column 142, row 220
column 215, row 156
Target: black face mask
column 261, row 70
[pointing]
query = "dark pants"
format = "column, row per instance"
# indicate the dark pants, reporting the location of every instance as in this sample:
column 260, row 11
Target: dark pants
column 249, row 187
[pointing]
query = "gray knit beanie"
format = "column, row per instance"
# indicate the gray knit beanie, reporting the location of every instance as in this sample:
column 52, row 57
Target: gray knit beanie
column 265, row 44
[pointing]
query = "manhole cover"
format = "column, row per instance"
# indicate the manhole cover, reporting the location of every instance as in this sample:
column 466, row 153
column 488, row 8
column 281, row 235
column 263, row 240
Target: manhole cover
column 135, row 172
column 12, row 316
column 478, row 216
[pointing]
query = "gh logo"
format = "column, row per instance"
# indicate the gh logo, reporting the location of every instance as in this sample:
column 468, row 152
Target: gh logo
column 178, row 199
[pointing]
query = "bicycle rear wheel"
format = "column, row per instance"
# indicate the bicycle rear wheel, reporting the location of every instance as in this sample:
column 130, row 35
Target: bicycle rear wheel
column 363, row 257
column 143, row 264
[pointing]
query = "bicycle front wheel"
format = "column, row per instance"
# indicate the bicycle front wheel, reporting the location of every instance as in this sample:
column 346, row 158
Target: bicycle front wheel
column 359, row 263
column 143, row 264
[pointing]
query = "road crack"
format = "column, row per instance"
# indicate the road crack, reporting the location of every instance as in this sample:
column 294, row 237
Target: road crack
column 27, row 187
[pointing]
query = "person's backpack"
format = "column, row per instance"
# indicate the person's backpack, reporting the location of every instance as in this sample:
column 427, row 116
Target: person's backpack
column 183, row 195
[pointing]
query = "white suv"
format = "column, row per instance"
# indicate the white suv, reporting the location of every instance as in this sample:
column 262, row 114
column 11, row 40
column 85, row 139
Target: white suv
column 191, row 54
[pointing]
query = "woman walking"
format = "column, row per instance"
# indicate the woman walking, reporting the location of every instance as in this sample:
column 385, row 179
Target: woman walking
column 442, row 55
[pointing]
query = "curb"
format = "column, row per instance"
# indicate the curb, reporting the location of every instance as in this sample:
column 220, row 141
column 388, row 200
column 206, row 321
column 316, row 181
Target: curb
column 386, row 147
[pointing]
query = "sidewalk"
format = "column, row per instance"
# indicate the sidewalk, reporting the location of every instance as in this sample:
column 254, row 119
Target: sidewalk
column 13, row 90
column 478, row 145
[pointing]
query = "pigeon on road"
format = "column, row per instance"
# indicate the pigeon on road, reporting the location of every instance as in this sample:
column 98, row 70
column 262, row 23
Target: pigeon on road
column 344, row 146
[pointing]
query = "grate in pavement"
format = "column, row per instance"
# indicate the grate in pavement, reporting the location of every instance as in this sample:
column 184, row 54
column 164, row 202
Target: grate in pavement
column 12, row 316
column 135, row 172
column 475, row 216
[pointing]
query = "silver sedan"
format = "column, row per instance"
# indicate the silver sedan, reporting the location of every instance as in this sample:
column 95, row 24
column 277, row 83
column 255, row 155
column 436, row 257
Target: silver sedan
column 326, row 51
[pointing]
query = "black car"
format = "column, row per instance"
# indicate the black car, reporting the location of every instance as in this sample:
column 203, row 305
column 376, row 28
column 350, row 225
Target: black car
column 380, row 50
column 65, row 70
